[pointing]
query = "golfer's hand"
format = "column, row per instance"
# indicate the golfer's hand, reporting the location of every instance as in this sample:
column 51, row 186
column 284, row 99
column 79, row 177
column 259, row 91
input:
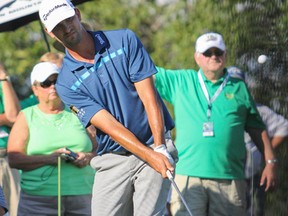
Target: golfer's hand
column 160, row 163
column 163, row 150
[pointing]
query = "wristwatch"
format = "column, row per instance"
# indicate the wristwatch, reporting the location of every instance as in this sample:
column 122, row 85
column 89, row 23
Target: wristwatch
column 7, row 78
column 272, row 161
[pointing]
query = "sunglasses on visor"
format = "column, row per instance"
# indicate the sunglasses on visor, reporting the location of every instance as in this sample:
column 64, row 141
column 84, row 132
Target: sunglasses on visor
column 216, row 52
column 47, row 83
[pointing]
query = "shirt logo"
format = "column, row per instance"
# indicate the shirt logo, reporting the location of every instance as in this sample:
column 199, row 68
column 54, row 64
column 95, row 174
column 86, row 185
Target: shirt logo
column 100, row 39
column 79, row 113
column 74, row 109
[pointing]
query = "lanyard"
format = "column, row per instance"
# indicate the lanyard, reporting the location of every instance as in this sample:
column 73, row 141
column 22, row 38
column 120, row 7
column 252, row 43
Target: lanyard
column 217, row 93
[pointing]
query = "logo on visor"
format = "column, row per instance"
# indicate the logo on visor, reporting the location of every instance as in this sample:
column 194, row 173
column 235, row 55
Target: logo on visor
column 211, row 38
column 45, row 16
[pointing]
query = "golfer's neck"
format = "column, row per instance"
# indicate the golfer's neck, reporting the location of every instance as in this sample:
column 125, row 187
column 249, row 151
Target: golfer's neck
column 84, row 58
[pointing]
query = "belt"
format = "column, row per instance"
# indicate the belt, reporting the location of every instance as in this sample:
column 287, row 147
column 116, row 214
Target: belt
column 122, row 153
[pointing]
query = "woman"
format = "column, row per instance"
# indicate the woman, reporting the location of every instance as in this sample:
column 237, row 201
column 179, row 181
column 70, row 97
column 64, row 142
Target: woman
column 38, row 138
column 53, row 57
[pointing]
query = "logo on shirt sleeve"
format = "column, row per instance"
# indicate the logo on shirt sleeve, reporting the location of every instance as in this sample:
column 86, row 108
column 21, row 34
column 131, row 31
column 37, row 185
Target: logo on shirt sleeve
column 80, row 113
column 74, row 109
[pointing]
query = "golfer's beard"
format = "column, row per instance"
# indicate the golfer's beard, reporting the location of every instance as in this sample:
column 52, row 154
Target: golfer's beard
column 71, row 42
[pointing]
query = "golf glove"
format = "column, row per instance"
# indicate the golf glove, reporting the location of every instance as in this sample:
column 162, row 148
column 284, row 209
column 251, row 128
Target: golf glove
column 163, row 150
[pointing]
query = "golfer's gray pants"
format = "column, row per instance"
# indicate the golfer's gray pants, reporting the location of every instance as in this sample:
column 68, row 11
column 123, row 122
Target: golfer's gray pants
column 126, row 186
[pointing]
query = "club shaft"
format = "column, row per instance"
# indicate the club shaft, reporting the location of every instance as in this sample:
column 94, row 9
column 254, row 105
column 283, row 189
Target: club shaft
column 179, row 192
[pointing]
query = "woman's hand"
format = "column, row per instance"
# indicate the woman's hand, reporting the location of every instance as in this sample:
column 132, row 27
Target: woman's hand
column 83, row 159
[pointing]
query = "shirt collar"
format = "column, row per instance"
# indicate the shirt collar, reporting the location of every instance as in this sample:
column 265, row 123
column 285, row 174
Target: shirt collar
column 100, row 41
column 220, row 80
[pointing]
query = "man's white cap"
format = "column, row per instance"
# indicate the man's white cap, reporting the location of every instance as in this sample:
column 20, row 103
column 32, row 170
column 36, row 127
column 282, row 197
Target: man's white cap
column 52, row 12
column 209, row 40
column 42, row 71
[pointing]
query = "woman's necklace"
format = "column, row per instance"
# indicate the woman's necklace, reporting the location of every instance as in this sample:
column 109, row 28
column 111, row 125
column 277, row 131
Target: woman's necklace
column 53, row 120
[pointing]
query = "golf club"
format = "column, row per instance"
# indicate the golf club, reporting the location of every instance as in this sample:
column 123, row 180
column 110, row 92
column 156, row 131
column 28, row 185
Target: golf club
column 170, row 176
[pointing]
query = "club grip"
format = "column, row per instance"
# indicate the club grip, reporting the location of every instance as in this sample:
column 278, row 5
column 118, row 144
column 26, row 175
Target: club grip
column 169, row 175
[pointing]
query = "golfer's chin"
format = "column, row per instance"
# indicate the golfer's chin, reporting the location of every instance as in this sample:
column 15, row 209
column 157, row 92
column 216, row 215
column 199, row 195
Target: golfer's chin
column 71, row 40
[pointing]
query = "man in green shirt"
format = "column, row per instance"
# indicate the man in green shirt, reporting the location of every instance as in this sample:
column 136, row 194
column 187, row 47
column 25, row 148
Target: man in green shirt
column 212, row 111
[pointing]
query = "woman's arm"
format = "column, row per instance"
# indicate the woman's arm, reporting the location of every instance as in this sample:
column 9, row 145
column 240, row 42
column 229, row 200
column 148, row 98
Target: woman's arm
column 17, row 144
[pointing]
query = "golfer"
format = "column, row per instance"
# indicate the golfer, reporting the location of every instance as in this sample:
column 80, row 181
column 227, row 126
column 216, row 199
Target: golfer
column 106, row 79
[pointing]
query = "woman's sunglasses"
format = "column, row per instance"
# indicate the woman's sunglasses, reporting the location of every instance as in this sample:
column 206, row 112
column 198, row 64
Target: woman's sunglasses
column 216, row 52
column 47, row 83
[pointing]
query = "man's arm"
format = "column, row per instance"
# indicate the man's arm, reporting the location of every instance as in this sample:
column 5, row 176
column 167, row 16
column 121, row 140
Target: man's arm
column 262, row 141
column 147, row 93
column 277, row 140
column 105, row 122
column 11, row 102
column 5, row 121
column 276, row 125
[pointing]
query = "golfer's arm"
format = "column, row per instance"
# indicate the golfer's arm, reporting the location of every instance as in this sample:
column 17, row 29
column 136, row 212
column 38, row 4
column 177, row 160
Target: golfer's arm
column 148, row 95
column 105, row 122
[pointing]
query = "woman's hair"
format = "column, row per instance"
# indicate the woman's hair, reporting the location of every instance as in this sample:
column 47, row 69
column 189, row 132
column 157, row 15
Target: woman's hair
column 53, row 57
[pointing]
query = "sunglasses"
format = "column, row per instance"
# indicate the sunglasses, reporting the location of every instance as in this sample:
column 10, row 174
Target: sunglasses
column 47, row 83
column 216, row 52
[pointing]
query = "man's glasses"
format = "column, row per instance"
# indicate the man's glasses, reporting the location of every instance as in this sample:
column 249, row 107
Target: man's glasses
column 216, row 52
column 47, row 83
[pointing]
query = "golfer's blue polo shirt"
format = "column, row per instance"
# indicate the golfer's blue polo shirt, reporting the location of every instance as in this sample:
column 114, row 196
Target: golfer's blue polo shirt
column 120, row 61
